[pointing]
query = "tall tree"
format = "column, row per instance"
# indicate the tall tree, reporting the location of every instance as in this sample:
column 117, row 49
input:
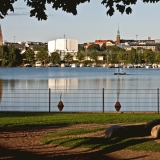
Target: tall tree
column 55, row 58
column 19, row 58
column 68, row 57
column 4, row 52
column 157, row 58
column 94, row 47
column 93, row 55
column 36, row 47
column 29, row 55
column 81, row 48
column 80, row 56
column 103, row 47
column 42, row 55
column 1, row 53
column 120, row 56
column 11, row 56
column 148, row 56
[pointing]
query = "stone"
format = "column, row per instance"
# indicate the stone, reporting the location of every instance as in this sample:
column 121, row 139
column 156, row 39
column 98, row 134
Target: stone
column 155, row 132
column 148, row 127
column 117, row 131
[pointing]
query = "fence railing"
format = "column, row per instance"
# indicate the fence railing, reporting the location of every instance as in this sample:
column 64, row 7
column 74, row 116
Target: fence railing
column 80, row 100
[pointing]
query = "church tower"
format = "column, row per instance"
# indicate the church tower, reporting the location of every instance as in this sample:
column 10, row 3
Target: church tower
column 118, row 36
column 1, row 38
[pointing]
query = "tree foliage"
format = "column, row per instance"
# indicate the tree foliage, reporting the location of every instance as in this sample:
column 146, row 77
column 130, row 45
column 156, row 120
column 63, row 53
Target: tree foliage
column 39, row 7
column 93, row 55
column 68, row 57
column 42, row 55
column 55, row 58
column 10, row 56
column 103, row 47
column 36, row 47
column 81, row 48
column 29, row 55
column 80, row 56
column 94, row 47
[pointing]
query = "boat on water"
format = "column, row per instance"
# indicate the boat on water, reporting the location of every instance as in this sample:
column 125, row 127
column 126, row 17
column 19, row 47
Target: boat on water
column 94, row 65
column 74, row 65
column 120, row 72
column 38, row 64
column 27, row 65
column 50, row 65
column 82, row 65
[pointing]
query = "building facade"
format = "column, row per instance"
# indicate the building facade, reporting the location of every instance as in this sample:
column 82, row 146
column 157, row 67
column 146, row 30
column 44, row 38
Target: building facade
column 1, row 37
column 63, row 46
column 107, row 42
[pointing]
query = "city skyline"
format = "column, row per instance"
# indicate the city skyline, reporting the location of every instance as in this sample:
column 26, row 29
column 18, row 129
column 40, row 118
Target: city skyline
column 89, row 25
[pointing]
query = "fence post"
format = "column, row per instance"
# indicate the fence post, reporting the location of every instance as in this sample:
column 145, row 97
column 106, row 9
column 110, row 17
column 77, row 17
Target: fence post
column 103, row 100
column 158, row 99
column 49, row 100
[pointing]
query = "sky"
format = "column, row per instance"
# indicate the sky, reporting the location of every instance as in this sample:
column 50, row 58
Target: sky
column 90, row 24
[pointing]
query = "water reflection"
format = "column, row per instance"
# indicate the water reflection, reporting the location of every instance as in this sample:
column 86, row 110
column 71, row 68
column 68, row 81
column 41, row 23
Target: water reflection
column 75, row 83
column 27, row 88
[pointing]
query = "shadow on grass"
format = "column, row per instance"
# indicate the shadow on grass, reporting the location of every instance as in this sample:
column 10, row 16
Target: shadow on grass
column 24, row 155
column 113, row 145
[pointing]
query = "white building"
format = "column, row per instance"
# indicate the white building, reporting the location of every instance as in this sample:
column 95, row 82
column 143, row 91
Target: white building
column 63, row 46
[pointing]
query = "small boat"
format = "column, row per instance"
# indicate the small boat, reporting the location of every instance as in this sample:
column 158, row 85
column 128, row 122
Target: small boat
column 94, row 65
column 116, row 65
column 38, row 64
column 74, row 65
column 63, row 65
column 82, row 65
column 27, row 65
column 50, row 65
column 116, row 73
column 120, row 72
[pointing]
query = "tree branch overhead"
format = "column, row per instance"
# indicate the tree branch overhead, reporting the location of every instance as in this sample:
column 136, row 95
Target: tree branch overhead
column 38, row 7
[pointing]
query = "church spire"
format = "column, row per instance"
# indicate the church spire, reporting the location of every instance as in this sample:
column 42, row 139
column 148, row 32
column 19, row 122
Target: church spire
column 118, row 32
column 118, row 36
column 0, row 30
column 1, row 39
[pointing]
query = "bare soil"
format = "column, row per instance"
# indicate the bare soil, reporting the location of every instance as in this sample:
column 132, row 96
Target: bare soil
column 22, row 143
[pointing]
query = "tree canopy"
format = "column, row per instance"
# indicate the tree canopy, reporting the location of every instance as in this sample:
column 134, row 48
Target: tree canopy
column 38, row 8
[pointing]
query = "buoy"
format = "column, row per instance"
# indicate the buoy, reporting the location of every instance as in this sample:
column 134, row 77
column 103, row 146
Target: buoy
column 60, row 104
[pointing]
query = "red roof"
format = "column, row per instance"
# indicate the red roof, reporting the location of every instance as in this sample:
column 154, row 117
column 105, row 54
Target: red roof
column 103, row 41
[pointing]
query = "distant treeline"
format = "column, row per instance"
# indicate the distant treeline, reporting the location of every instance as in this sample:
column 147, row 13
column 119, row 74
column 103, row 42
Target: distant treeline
column 12, row 57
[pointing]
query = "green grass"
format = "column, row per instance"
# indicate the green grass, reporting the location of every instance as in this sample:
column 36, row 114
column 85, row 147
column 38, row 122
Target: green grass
column 104, row 144
column 147, row 146
column 69, row 138
column 75, row 132
column 30, row 119
column 73, row 139
column 61, row 135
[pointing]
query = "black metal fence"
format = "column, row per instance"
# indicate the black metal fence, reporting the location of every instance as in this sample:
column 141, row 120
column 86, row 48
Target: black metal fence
column 80, row 100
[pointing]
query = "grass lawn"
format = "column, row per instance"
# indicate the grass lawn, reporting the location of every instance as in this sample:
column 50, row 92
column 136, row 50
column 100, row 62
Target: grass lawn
column 30, row 119
column 74, row 138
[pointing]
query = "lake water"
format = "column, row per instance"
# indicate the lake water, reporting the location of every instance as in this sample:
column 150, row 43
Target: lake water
column 69, row 79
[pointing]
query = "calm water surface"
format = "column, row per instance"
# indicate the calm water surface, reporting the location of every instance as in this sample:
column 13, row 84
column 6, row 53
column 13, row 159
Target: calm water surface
column 78, row 78
column 14, row 80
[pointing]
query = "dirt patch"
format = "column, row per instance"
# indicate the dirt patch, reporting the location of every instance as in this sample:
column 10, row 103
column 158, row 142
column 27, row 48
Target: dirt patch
column 24, row 143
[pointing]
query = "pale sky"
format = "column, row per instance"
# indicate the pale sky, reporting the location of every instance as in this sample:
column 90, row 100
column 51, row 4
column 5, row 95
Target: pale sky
column 89, row 25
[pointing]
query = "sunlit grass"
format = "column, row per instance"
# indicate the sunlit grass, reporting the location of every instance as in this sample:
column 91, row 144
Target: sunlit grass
column 79, row 137
column 72, row 132
column 28, row 119
column 146, row 146
column 75, row 139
